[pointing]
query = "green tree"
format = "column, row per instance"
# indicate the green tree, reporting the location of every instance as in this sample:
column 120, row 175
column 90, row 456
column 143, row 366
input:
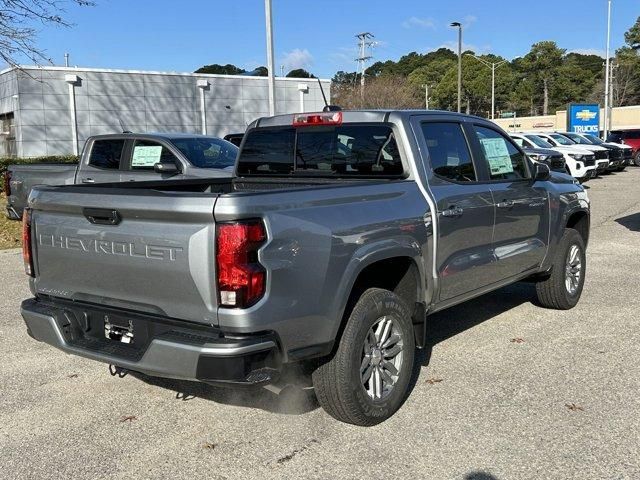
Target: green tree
column 300, row 73
column 541, row 66
column 216, row 68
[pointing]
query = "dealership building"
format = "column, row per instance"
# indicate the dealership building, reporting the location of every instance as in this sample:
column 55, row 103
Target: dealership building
column 52, row 110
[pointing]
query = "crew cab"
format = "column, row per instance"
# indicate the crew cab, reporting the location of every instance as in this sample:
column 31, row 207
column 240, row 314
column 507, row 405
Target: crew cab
column 552, row 158
column 125, row 158
column 579, row 164
column 601, row 158
column 336, row 239
column 626, row 149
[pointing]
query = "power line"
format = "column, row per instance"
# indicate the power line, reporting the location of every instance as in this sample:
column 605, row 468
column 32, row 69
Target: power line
column 364, row 42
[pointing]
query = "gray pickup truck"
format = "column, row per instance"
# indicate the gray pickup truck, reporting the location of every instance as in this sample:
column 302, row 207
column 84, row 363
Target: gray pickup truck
column 123, row 158
column 338, row 236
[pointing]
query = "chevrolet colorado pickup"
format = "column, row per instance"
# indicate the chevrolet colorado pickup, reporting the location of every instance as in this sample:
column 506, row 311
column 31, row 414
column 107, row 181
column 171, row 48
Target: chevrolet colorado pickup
column 337, row 237
column 125, row 158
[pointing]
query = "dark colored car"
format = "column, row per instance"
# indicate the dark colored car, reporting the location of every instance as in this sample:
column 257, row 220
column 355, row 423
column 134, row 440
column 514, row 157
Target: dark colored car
column 235, row 138
column 627, row 137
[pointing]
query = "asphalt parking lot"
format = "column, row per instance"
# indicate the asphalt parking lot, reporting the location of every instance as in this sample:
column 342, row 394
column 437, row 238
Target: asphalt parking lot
column 506, row 390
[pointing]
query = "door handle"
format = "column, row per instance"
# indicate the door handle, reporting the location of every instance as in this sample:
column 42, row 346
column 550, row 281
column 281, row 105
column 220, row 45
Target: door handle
column 88, row 180
column 505, row 204
column 102, row 216
column 452, row 212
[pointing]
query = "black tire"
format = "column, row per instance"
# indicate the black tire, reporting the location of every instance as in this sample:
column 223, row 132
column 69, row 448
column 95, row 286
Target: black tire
column 338, row 383
column 636, row 159
column 552, row 291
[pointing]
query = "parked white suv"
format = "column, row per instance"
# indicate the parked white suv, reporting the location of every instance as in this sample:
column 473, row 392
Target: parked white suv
column 601, row 153
column 580, row 164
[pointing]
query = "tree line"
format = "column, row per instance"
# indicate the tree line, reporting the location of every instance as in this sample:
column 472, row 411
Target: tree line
column 544, row 80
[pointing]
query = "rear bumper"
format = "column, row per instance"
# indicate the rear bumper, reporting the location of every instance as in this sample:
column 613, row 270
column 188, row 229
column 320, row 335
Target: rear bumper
column 166, row 348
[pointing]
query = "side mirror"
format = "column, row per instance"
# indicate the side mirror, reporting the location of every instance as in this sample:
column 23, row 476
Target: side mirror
column 166, row 168
column 541, row 172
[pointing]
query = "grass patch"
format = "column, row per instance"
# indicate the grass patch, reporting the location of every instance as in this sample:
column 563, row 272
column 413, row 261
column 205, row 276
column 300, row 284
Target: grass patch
column 10, row 230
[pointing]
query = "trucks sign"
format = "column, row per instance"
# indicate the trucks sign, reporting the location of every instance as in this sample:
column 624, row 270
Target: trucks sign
column 583, row 118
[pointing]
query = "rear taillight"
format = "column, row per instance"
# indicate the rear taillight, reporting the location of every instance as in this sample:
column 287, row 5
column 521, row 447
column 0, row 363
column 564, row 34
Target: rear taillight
column 241, row 278
column 27, row 251
column 7, row 183
column 310, row 119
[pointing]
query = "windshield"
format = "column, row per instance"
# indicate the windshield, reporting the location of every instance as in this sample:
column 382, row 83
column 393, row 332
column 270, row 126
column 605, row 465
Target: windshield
column 595, row 140
column 203, row 152
column 561, row 139
column 539, row 141
column 577, row 138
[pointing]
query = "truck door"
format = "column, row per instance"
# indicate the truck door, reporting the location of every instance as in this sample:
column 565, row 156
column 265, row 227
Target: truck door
column 521, row 232
column 465, row 210
column 104, row 161
column 144, row 155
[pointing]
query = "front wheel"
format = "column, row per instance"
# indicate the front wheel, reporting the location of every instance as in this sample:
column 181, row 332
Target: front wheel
column 636, row 159
column 561, row 290
column 367, row 379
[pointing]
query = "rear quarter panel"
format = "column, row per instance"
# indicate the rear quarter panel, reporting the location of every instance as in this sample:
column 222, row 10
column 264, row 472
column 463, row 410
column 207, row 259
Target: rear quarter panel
column 319, row 240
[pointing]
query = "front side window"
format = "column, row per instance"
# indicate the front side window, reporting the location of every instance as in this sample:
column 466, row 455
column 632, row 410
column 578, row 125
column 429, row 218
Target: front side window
column 448, row 151
column 106, row 153
column 146, row 153
column 504, row 160
column 562, row 140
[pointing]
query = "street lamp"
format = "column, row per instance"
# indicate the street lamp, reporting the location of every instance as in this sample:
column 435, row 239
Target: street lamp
column 606, row 74
column 459, row 25
column 492, row 66
column 270, row 70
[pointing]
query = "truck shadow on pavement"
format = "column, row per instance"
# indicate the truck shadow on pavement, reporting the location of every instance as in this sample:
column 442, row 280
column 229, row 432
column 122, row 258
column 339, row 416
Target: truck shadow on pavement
column 632, row 222
column 452, row 321
column 294, row 393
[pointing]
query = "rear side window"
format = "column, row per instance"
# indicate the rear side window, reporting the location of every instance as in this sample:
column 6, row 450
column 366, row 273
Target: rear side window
column 504, row 160
column 345, row 150
column 106, row 153
column 147, row 153
column 448, row 151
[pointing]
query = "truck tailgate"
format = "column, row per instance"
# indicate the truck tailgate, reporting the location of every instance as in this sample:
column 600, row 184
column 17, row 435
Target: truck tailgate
column 158, row 256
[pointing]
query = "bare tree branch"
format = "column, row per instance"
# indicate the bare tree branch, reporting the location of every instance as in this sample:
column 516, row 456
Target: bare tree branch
column 18, row 27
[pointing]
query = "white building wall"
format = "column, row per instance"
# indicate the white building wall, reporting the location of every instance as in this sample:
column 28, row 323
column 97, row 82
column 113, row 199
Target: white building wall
column 140, row 102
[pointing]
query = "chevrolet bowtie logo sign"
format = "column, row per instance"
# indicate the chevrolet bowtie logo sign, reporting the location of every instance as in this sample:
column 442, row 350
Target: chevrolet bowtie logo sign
column 585, row 115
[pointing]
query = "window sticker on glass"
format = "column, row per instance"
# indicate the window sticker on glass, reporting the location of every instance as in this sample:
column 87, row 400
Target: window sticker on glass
column 497, row 155
column 144, row 156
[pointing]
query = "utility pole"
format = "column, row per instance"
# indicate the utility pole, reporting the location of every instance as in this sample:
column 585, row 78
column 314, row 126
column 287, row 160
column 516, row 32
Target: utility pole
column 426, row 95
column 607, row 73
column 364, row 42
column 271, row 73
column 459, row 26
column 66, row 59
column 492, row 66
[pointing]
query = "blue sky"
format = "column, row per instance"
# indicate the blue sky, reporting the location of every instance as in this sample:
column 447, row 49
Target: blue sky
column 181, row 36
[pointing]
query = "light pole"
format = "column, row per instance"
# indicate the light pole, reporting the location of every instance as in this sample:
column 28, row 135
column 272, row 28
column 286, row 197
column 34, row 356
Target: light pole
column 607, row 73
column 459, row 25
column 492, row 66
column 271, row 72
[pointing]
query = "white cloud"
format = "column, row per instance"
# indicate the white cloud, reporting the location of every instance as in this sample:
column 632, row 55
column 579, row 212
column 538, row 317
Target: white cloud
column 297, row 58
column 589, row 51
column 419, row 22
column 469, row 20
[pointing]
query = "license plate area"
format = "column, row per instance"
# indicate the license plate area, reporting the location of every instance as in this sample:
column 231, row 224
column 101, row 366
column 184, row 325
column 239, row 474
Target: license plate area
column 118, row 329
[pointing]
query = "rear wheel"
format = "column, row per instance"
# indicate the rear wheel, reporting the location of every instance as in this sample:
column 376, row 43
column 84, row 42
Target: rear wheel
column 636, row 159
column 561, row 290
column 367, row 379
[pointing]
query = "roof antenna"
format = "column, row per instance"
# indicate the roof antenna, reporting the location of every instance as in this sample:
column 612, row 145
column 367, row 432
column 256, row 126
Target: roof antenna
column 124, row 130
column 327, row 107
